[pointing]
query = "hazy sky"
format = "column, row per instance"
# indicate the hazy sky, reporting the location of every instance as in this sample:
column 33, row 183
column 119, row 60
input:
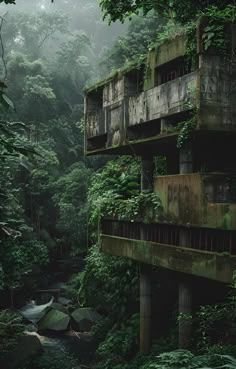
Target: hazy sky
column 83, row 14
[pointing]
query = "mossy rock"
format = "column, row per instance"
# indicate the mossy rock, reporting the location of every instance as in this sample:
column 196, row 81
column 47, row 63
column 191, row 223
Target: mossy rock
column 59, row 307
column 54, row 320
column 85, row 318
column 27, row 347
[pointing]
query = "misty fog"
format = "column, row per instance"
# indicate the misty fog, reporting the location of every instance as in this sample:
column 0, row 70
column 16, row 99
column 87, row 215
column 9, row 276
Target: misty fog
column 80, row 16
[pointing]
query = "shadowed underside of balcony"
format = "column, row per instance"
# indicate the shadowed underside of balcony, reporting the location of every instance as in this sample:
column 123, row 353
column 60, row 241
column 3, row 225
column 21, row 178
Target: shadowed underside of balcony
column 207, row 264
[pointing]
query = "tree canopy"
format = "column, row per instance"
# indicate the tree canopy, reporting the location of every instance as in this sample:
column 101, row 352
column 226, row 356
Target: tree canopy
column 183, row 10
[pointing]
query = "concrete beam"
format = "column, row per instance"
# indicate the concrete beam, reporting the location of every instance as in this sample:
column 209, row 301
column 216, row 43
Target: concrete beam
column 210, row 265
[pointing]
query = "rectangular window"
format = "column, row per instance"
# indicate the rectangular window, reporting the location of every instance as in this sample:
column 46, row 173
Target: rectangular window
column 169, row 71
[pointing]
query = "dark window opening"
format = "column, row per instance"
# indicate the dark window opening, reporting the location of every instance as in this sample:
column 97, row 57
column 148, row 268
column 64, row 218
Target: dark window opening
column 220, row 188
column 98, row 142
column 134, row 81
column 143, row 130
column 95, row 100
column 174, row 69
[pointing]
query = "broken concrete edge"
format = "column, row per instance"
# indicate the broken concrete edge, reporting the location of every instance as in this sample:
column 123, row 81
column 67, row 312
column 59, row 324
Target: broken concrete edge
column 210, row 265
column 160, row 52
column 108, row 150
column 116, row 73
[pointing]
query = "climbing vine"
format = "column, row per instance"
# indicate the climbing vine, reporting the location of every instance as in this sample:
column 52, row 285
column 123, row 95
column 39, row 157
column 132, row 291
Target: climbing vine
column 145, row 206
column 185, row 128
column 214, row 35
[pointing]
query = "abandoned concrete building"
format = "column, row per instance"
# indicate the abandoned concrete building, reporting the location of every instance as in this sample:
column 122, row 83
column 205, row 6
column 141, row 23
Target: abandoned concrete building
column 139, row 111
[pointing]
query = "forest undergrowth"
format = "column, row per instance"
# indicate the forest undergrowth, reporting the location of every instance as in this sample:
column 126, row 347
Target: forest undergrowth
column 52, row 198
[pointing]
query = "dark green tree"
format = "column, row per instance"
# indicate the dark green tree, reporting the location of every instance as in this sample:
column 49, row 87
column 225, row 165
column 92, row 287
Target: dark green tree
column 183, row 10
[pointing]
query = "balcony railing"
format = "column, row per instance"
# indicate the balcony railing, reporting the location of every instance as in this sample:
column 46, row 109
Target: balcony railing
column 205, row 239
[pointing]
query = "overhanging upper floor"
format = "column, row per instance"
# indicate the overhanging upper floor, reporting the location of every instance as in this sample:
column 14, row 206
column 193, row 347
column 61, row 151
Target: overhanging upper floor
column 148, row 102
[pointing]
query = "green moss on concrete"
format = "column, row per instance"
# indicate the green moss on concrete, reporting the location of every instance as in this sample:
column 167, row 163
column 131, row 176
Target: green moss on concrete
column 159, row 55
column 115, row 74
column 200, row 263
column 162, row 54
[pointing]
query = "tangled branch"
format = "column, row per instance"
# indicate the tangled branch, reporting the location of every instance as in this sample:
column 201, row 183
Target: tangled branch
column 2, row 47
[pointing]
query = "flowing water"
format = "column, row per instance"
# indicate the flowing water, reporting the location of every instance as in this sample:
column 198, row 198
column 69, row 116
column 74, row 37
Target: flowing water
column 69, row 342
column 34, row 312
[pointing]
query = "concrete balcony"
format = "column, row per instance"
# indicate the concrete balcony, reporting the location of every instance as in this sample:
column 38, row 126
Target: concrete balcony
column 195, row 234
column 211, row 253
column 163, row 101
column 145, row 104
column 126, row 116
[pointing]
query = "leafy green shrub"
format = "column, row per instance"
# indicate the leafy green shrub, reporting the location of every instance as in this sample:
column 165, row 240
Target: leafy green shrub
column 114, row 191
column 178, row 359
column 23, row 255
column 102, row 327
column 55, row 360
column 118, row 179
column 145, row 206
column 11, row 327
column 216, row 324
column 185, row 129
column 73, row 285
column 122, row 342
column 109, row 284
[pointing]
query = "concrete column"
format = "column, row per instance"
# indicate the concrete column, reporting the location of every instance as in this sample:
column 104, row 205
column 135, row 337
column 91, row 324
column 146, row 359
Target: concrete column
column 185, row 307
column 145, row 308
column 147, row 173
column 185, row 291
column 145, row 270
column 186, row 159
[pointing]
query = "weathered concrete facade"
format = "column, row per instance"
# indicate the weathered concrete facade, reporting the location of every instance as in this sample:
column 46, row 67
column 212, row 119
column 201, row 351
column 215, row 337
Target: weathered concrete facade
column 198, row 199
column 132, row 105
column 140, row 110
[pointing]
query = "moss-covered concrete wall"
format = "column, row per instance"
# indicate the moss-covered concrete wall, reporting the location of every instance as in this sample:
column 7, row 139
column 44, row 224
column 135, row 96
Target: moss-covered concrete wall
column 162, row 101
column 197, row 199
column 217, row 108
column 162, row 54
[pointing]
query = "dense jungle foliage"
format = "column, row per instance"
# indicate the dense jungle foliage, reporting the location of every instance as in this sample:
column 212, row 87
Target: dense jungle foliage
column 52, row 197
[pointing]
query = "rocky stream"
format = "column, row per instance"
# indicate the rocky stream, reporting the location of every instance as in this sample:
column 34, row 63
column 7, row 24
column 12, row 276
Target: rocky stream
column 55, row 327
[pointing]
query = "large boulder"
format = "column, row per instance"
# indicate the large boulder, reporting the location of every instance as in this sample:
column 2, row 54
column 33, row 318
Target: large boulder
column 85, row 318
column 54, row 320
column 27, row 347
column 59, row 307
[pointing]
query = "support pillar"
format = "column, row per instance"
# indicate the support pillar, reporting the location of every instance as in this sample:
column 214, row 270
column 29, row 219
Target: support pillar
column 186, row 159
column 145, row 308
column 185, row 290
column 147, row 173
column 145, row 270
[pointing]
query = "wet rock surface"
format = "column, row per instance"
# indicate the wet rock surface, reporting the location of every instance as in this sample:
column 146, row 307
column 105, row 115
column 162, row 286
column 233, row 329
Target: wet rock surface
column 54, row 320
column 27, row 347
